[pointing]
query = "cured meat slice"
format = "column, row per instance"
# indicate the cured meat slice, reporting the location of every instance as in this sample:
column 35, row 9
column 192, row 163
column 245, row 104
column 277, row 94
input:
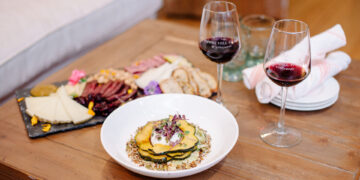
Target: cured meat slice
column 114, row 89
column 90, row 85
column 122, row 92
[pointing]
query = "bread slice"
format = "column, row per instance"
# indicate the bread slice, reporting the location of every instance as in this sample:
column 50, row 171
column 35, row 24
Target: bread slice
column 180, row 75
column 170, row 86
column 186, row 87
column 203, row 87
column 182, row 78
column 76, row 111
column 210, row 80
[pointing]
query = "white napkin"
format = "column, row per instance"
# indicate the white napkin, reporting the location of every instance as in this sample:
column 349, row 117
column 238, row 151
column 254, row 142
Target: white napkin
column 321, row 44
column 321, row 71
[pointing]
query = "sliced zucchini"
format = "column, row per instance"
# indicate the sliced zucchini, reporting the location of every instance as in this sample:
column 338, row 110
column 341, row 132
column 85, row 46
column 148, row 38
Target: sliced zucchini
column 175, row 154
column 182, row 157
column 154, row 158
column 188, row 142
column 142, row 138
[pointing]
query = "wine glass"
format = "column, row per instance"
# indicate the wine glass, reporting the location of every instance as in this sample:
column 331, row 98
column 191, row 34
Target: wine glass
column 219, row 35
column 287, row 62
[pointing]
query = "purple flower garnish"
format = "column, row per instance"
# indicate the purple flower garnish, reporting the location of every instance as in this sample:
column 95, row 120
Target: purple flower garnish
column 152, row 88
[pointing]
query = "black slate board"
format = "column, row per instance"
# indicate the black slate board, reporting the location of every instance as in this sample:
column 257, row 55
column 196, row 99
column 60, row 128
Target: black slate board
column 36, row 131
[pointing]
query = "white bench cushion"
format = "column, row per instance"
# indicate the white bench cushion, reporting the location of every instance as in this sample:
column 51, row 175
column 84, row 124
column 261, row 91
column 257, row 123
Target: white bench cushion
column 34, row 35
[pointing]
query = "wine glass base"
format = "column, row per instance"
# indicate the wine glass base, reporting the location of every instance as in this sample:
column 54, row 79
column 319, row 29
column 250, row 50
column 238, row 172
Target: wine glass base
column 287, row 138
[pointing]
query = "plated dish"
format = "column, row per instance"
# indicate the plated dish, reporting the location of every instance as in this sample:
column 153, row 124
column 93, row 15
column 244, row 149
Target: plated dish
column 169, row 144
column 207, row 115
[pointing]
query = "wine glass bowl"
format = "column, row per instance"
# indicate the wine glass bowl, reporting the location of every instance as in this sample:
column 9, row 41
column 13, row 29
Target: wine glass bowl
column 219, row 38
column 287, row 62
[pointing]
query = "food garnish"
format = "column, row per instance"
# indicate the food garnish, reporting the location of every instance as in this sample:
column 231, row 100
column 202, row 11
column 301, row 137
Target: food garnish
column 76, row 76
column 34, row 120
column 169, row 144
column 152, row 88
column 20, row 99
column 136, row 76
column 90, row 107
column 46, row 127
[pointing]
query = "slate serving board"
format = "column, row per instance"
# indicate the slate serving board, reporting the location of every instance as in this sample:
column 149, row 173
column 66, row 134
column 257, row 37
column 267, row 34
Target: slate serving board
column 36, row 130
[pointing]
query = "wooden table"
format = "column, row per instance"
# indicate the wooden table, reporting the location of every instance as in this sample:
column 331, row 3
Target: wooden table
column 331, row 137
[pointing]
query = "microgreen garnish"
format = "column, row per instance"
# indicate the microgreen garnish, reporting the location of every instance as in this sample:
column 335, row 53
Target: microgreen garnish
column 169, row 126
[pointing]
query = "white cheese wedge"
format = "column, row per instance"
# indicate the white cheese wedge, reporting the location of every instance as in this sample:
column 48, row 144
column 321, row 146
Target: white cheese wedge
column 156, row 74
column 42, row 107
column 76, row 111
column 61, row 115
column 47, row 109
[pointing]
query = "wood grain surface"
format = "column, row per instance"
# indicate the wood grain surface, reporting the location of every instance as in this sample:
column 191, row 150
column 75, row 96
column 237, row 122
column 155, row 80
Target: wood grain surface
column 331, row 138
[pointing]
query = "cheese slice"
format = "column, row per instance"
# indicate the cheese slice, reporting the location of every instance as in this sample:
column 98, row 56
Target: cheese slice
column 61, row 115
column 76, row 111
column 156, row 74
column 47, row 109
column 42, row 107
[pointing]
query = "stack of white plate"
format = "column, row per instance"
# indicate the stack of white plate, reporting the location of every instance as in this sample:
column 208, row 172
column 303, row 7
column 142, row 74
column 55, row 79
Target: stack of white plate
column 323, row 97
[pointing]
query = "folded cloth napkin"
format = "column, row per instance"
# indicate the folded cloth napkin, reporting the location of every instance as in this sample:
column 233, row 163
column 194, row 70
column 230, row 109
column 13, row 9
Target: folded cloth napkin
column 321, row 44
column 321, row 71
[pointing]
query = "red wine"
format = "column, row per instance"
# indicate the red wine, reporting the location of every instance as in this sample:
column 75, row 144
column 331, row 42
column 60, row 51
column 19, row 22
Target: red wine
column 219, row 49
column 285, row 74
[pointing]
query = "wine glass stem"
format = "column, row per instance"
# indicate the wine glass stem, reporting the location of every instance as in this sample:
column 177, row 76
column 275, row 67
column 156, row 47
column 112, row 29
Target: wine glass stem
column 281, row 123
column 219, row 79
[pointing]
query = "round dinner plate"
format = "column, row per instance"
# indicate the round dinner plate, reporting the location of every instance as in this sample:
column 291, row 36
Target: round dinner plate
column 122, row 123
column 308, row 108
column 322, row 97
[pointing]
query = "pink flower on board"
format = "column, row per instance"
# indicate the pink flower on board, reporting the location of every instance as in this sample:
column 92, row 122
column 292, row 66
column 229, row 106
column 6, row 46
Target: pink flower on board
column 76, row 76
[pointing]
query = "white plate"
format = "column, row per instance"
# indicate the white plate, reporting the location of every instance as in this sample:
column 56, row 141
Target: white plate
column 214, row 118
column 326, row 91
column 308, row 108
column 277, row 101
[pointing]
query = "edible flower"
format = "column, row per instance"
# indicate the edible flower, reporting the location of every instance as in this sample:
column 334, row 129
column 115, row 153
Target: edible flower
column 34, row 120
column 46, row 127
column 90, row 107
column 20, row 99
column 136, row 76
column 76, row 76
column 152, row 88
